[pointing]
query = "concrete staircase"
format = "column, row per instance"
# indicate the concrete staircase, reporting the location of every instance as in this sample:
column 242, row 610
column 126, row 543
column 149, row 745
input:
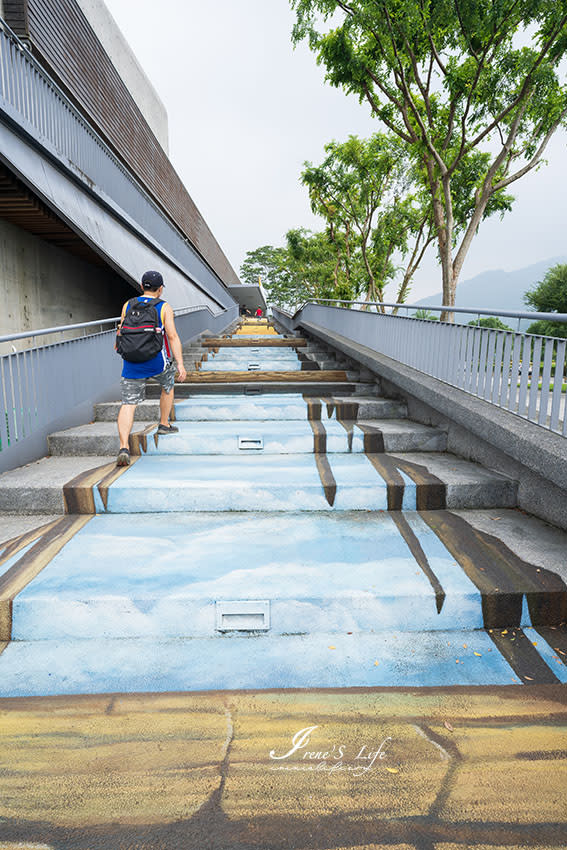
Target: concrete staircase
column 298, row 531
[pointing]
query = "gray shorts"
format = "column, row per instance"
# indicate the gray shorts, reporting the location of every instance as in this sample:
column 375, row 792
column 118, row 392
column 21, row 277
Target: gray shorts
column 134, row 389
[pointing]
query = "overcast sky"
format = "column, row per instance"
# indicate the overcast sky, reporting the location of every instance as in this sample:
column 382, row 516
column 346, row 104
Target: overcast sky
column 246, row 110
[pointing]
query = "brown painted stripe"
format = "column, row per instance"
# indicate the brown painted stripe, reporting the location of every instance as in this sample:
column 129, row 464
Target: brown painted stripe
column 345, row 410
column 523, row 657
column 327, row 477
column 373, row 439
column 328, row 481
column 32, row 563
column 348, row 425
column 545, row 591
column 256, row 377
column 500, row 594
column 314, row 408
column 431, row 492
column 501, row 576
column 254, row 342
column 388, row 471
column 138, row 442
column 110, row 478
column 78, row 492
column 319, row 437
column 15, row 544
column 417, row 551
column 556, row 637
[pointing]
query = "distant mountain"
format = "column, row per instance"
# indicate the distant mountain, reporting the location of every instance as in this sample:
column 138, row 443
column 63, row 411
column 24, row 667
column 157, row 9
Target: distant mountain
column 497, row 289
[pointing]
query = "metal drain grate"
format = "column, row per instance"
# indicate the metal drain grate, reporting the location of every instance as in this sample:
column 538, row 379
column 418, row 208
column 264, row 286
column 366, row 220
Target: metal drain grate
column 245, row 443
column 245, row 615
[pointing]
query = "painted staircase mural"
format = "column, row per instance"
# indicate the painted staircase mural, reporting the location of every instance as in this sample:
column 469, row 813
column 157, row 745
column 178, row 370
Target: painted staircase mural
column 299, row 531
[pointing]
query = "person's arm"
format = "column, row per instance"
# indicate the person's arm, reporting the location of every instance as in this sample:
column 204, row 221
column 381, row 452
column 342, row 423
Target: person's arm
column 173, row 339
column 121, row 322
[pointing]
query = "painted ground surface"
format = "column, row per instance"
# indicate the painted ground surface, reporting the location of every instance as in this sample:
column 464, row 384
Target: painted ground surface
column 482, row 768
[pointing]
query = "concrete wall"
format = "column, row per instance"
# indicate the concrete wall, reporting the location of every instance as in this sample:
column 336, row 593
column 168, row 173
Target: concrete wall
column 125, row 62
column 43, row 286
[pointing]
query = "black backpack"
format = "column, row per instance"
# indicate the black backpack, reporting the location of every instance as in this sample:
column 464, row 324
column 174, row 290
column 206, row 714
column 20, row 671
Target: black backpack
column 140, row 338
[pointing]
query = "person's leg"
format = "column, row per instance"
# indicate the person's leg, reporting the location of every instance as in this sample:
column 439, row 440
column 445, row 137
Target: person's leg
column 133, row 392
column 166, row 380
column 125, row 422
column 165, row 405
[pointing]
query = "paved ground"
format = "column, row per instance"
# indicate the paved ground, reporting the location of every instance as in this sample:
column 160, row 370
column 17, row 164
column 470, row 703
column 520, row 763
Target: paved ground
column 430, row 769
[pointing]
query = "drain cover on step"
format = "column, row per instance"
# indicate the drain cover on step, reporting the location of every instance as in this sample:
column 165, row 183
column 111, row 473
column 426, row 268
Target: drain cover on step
column 242, row 615
column 250, row 443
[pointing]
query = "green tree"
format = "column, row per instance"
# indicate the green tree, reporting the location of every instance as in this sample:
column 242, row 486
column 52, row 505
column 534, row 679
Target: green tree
column 312, row 261
column 490, row 322
column 455, row 82
column 361, row 190
column 549, row 296
column 425, row 314
column 271, row 266
column 304, row 268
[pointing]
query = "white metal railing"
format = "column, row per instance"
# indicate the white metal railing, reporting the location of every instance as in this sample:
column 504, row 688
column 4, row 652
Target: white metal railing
column 522, row 373
column 30, row 99
column 54, row 386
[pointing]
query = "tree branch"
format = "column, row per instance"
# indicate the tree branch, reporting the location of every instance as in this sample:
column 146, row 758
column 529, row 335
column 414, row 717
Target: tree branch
column 386, row 121
column 525, row 87
column 409, row 99
column 534, row 160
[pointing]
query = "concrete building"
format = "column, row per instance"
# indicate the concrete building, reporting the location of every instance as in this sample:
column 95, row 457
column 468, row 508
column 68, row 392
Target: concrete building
column 88, row 196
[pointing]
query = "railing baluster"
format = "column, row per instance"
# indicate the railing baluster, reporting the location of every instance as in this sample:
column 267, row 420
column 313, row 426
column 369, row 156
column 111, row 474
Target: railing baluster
column 560, row 375
column 505, row 381
column 534, row 384
column 549, row 345
column 526, row 356
column 489, row 367
column 4, row 422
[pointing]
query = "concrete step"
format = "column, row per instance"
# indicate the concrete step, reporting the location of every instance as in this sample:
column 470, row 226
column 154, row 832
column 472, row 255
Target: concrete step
column 281, row 375
column 257, row 364
column 172, row 483
column 266, row 342
column 305, row 482
column 262, row 407
column 304, row 383
column 149, row 665
column 367, row 573
column 436, row 598
column 291, row 436
column 37, row 488
column 244, row 353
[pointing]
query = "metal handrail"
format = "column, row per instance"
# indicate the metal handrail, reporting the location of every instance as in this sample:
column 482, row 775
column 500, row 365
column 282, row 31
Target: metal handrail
column 511, row 314
column 182, row 311
column 47, row 387
column 525, row 374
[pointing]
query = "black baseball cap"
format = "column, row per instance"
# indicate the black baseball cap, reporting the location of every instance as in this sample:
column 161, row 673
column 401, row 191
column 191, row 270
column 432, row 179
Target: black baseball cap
column 152, row 280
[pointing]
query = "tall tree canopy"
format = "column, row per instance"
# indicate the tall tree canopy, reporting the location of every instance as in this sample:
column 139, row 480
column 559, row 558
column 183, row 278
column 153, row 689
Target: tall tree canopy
column 549, row 296
column 304, row 268
column 362, row 189
column 474, row 88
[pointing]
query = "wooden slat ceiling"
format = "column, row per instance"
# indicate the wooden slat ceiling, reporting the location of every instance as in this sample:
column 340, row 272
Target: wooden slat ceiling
column 21, row 207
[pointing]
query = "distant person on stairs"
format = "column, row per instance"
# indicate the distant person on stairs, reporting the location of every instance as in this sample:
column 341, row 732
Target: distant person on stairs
column 146, row 340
